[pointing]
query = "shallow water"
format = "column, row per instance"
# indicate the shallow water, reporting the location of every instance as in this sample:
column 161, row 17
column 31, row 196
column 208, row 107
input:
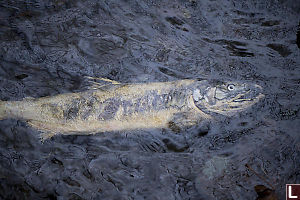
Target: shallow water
column 48, row 47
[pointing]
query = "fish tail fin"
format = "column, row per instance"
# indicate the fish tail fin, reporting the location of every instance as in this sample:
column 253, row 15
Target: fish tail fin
column 2, row 110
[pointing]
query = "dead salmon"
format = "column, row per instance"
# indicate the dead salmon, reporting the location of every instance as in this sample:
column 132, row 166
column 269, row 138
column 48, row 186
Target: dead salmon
column 118, row 107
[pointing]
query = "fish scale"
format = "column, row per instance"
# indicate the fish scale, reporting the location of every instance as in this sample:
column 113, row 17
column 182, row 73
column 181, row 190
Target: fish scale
column 118, row 107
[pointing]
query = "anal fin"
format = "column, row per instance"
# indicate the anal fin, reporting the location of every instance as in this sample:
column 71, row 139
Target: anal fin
column 45, row 132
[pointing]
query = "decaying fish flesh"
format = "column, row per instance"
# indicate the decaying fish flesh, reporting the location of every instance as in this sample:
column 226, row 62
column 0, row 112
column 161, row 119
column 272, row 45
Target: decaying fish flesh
column 117, row 107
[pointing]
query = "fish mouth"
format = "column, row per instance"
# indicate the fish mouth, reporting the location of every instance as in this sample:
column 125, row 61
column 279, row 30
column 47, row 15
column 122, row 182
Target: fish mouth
column 251, row 94
column 243, row 97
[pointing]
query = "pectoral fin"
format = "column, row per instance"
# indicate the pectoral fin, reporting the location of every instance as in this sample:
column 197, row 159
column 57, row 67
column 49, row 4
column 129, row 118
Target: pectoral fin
column 181, row 121
column 174, row 126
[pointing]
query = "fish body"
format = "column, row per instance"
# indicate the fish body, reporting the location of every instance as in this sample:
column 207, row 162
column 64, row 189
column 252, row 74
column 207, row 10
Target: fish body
column 120, row 107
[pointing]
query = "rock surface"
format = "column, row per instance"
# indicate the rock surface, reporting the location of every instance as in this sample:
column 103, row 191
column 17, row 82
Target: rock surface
column 48, row 47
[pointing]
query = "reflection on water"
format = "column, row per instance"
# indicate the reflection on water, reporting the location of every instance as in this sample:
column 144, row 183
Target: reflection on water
column 48, row 47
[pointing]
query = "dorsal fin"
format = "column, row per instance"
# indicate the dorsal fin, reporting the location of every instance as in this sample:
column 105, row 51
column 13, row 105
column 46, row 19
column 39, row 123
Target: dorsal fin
column 95, row 85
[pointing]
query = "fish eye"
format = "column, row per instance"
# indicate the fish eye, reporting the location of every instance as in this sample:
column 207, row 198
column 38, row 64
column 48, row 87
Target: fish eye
column 231, row 87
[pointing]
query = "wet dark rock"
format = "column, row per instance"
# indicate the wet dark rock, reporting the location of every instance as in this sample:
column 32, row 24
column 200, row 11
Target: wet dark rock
column 75, row 196
column 236, row 48
column 298, row 36
column 175, row 21
column 171, row 146
column 202, row 132
column 21, row 76
column 71, row 182
column 170, row 72
column 88, row 175
column 270, row 23
column 162, row 55
column 56, row 161
column 281, row 49
column 49, row 47
column 264, row 193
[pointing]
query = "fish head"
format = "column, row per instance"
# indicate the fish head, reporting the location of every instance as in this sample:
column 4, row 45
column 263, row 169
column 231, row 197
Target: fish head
column 226, row 98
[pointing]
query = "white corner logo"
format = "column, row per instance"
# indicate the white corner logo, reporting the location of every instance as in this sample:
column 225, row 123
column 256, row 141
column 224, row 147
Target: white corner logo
column 293, row 191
